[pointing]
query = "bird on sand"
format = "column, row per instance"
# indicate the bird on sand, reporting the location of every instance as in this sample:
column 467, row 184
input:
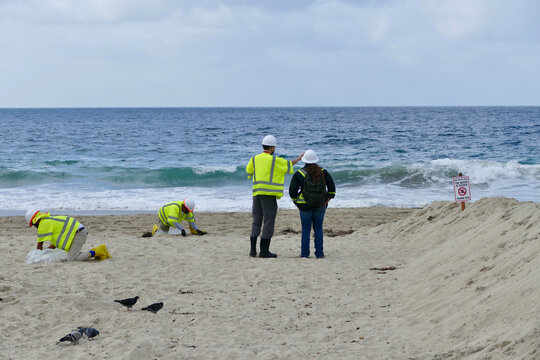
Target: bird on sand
column 88, row 331
column 72, row 337
column 129, row 302
column 155, row 307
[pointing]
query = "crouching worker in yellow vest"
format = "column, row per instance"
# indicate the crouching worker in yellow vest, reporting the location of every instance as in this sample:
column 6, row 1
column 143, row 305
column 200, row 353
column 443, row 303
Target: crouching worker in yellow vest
column 65, row 233
column 173, row 213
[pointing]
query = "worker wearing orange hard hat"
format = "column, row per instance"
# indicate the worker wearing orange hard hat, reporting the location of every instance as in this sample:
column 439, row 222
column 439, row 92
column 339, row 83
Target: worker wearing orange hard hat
column 65, row 233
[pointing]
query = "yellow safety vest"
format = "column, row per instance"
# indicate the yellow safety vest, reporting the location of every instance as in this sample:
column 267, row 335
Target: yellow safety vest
column 268, row 174
column 172, row 213
column 300, row 199
column 58, row 230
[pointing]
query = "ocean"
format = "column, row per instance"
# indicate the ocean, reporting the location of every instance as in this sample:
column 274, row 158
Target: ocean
column 118, row 160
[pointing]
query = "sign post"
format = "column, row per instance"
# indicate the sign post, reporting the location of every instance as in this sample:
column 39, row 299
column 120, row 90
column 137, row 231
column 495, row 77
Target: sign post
column 462, row 189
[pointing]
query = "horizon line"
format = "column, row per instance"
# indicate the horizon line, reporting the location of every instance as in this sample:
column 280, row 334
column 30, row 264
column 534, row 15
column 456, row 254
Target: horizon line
column 256, row 107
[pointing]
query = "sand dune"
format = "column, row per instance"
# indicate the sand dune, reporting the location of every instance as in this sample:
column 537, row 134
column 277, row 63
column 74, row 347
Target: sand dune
column 473, row 284
column 431, row 283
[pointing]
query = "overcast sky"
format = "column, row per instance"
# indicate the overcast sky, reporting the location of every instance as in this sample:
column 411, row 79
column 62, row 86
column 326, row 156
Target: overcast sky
column 106, row 53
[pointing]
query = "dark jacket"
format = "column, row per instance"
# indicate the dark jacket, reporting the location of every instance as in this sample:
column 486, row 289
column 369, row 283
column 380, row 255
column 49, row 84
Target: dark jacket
column 297, row 183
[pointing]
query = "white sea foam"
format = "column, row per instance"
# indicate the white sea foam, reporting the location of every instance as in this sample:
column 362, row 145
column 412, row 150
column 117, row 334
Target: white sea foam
column 485, row 172
column 206, row 169
column 238, row 198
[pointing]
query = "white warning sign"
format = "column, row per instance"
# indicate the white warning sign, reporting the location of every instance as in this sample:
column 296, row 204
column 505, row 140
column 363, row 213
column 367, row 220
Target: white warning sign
column 462, row 189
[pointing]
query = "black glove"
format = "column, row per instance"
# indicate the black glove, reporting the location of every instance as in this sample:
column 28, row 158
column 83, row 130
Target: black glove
column 200, row 232
column 183, row 232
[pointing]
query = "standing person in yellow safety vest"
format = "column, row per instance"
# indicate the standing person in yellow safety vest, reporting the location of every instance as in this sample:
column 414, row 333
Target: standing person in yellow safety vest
column 268, row 173
column 65, row 233
column 173, row 213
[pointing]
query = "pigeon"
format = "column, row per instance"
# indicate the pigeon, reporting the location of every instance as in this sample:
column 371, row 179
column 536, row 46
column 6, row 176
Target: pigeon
column 154, row 307
column 89, row 332
column 129, row 302
column 72, row 337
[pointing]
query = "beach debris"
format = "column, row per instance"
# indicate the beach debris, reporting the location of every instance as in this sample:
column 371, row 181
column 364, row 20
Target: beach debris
column 147, row 234
column 1, row 299
column 390, row 268
column 334, row 233
column 185, row 291
column 356, row 341
column 327, row 232
column 289, row 231
column 129, row 302
column 155, row 307
column 179, row 312
column 88, row 331
column 383, row 270
column 73, row 337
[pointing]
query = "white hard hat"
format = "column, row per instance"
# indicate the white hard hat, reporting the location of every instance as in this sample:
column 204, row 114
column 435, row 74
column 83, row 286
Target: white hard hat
column 30, row 216
column 189, row 204
column 269, row 140
column 310, row 157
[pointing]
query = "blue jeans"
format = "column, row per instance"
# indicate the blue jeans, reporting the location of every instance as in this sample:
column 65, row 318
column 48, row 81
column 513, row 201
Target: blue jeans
column 315, row 217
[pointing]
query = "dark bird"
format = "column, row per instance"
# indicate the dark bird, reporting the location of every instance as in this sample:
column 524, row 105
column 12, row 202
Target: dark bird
column 129, row 302
column 72, row 337
column 89, row 332
column 154, row 307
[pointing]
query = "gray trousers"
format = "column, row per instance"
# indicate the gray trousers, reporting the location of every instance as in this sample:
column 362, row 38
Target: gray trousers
column 163, row 227
column 264, row 209
column 74, row 253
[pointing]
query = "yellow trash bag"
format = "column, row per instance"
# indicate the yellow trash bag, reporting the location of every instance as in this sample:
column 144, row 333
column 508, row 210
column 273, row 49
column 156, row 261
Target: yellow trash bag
column 101, row 252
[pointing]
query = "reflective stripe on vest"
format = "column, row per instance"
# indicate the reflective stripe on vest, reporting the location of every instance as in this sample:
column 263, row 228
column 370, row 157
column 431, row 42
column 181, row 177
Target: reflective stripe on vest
column 64, row 238
column 163, row 215
column 301, row 199
column 66, row 235
column 181, row 215
column 268, row 186
column 273, row 166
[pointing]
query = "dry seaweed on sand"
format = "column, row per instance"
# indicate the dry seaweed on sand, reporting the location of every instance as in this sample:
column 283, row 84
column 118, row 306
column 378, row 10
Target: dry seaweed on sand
column 334, row 233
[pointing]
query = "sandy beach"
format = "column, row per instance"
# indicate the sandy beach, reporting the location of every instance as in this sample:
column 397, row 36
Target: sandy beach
column 429, row 283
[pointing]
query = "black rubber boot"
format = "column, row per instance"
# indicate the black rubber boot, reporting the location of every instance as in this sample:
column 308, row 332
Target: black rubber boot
column 265, row 249
column 253, row 252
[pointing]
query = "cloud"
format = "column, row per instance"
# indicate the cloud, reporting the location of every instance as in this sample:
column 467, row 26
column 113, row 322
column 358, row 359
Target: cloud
column 242, row 52
column 85, row 11
column 323, row 23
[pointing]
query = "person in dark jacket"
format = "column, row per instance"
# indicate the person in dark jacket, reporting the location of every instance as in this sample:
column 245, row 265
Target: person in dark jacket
column 311, row 189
